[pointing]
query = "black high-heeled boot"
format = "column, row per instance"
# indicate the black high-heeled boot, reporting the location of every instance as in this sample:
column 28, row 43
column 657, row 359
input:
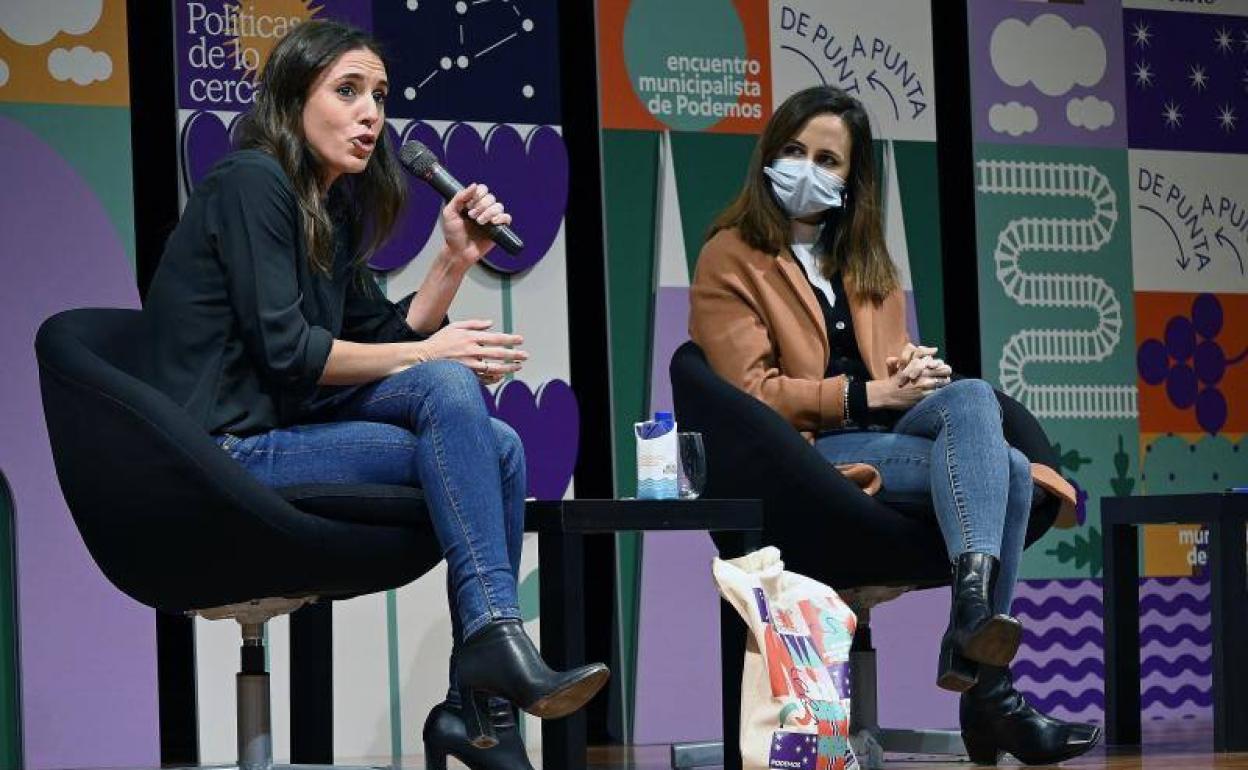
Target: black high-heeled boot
column 445, row 736
column 996, row 718
column 975, row 635
column 500, row 659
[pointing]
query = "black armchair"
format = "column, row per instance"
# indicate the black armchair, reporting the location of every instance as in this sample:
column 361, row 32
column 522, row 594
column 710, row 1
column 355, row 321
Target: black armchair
column 808, row 505
column 176, row 524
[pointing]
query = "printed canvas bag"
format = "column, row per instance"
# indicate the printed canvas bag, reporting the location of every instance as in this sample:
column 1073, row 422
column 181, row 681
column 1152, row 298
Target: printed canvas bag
column 795, row 688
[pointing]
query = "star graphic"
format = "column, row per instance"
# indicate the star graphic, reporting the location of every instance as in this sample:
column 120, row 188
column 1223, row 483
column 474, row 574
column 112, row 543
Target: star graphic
column 1143, row 75
column 1173, row 117
column 1200, row 80
column 1227, row 118
column 1141, row 34
column 1223, row 40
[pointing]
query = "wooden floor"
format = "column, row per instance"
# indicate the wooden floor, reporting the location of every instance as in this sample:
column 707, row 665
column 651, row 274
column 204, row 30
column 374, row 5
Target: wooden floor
column 1179, row 747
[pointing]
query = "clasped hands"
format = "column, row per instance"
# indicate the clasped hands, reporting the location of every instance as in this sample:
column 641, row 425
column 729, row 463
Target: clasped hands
column 912, row 374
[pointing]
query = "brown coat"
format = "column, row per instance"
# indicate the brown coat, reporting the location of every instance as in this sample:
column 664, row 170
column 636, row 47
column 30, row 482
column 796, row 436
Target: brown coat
column 758, row 321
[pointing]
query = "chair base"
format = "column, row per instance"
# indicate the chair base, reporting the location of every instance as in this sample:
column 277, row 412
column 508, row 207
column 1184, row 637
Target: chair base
column 869, row 745
column 706, row 754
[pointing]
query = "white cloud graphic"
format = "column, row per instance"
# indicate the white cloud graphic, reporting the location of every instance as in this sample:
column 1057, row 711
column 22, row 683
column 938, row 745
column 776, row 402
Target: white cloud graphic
column 1013, row 118
column 1090, row 113
column 4, row 72
column 1048, row 53
column 80, row 64
column 35, row 22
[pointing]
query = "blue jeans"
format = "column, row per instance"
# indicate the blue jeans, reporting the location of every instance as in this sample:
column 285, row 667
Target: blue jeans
column 948, row 452
column 427, row 427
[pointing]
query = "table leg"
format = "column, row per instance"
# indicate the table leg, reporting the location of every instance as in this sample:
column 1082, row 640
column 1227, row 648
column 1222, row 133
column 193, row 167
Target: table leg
column 1121, row 586
column 563, row 639
column 1229, row 608
column 312, row 684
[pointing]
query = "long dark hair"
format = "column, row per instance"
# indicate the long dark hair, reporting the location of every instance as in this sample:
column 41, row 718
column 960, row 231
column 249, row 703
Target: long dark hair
column 853, row 237
column 371, row 200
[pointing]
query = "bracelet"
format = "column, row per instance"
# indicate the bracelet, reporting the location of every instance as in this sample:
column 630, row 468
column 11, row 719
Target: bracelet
column 845, row 402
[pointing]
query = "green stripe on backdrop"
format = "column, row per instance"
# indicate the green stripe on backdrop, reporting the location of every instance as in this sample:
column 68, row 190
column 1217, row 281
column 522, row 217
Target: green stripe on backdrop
column 917, row 179
column 396, row 692
column 710, row 169
column 630, row 177
column 10, row 716
column 508, row 321
column 77, row 132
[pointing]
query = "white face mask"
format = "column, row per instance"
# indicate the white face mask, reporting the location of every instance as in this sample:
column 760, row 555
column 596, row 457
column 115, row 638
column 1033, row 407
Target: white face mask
column 803, row 188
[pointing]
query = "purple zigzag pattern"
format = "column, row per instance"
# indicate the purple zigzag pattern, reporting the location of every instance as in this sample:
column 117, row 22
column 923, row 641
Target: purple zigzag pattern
column 1060, row 665
column 1057, row 605
column 1063, row 638
column 1185, row 617
column 1169, row 670
column 1150, row 666
column 1060, row 668
column 1171, row 607
column 1161, row 652
column 1094, row 696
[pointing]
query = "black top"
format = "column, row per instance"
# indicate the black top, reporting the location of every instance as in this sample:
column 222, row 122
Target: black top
column 242, row 323
column 843, row 354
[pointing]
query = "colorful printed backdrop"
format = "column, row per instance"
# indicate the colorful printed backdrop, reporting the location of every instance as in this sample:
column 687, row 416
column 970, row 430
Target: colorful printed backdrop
column 87, row 653
column 1110, row 200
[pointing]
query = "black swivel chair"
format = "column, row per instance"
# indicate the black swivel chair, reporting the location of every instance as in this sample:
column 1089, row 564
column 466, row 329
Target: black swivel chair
column 809, row 507
column 178, row 525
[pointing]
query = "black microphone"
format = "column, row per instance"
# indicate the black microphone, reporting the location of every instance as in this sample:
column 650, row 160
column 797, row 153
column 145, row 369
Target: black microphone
column 420, row 160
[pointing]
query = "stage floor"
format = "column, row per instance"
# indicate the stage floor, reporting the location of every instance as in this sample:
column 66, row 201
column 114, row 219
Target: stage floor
column 1182, row 746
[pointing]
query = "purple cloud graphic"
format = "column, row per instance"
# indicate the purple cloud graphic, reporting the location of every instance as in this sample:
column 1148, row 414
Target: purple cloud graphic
column 549, row 426
column 204, row 141
column 530, row 177
column 420, row 218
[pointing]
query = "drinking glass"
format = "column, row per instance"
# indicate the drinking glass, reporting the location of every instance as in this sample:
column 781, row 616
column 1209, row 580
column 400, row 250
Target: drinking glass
column 692, row 465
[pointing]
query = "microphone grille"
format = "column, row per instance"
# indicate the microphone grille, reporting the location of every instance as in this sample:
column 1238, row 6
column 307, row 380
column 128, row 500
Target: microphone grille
column 417, row 158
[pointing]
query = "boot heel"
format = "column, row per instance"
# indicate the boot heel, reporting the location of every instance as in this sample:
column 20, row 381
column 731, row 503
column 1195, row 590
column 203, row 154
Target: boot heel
column 955, row 672
column 996, row 642
column 982, row 750
column 435, row 758
column 476, row 713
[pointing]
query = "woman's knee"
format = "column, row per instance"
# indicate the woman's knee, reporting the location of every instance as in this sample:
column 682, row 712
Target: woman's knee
column 974, row 394
column 1020, row 468
column 455, row 388
column 510, row 447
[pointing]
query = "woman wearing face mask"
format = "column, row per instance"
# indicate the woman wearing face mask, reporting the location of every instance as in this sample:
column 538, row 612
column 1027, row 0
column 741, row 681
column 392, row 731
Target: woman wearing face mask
column 271, row 330
column 796, row 301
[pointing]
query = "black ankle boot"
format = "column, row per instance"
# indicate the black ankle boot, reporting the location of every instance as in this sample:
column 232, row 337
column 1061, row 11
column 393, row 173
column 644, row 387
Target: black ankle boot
column 445, row 736
column 975, row 635
column 501, row 660
column 996, row 718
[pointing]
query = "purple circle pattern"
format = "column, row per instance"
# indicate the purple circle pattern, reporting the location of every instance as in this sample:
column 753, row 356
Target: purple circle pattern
column 1191, row 362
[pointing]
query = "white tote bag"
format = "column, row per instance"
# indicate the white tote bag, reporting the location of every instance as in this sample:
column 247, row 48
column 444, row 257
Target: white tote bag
column 795, row 688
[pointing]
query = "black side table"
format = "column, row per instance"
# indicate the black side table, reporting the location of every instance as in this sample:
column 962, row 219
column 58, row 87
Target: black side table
column 1225, row 516
column 562, row 526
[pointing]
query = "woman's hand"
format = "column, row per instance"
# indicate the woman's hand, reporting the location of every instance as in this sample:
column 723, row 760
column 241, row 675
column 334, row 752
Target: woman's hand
column 489, row 354
column 908, row 384
column 463, row 224
column 907, row 354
